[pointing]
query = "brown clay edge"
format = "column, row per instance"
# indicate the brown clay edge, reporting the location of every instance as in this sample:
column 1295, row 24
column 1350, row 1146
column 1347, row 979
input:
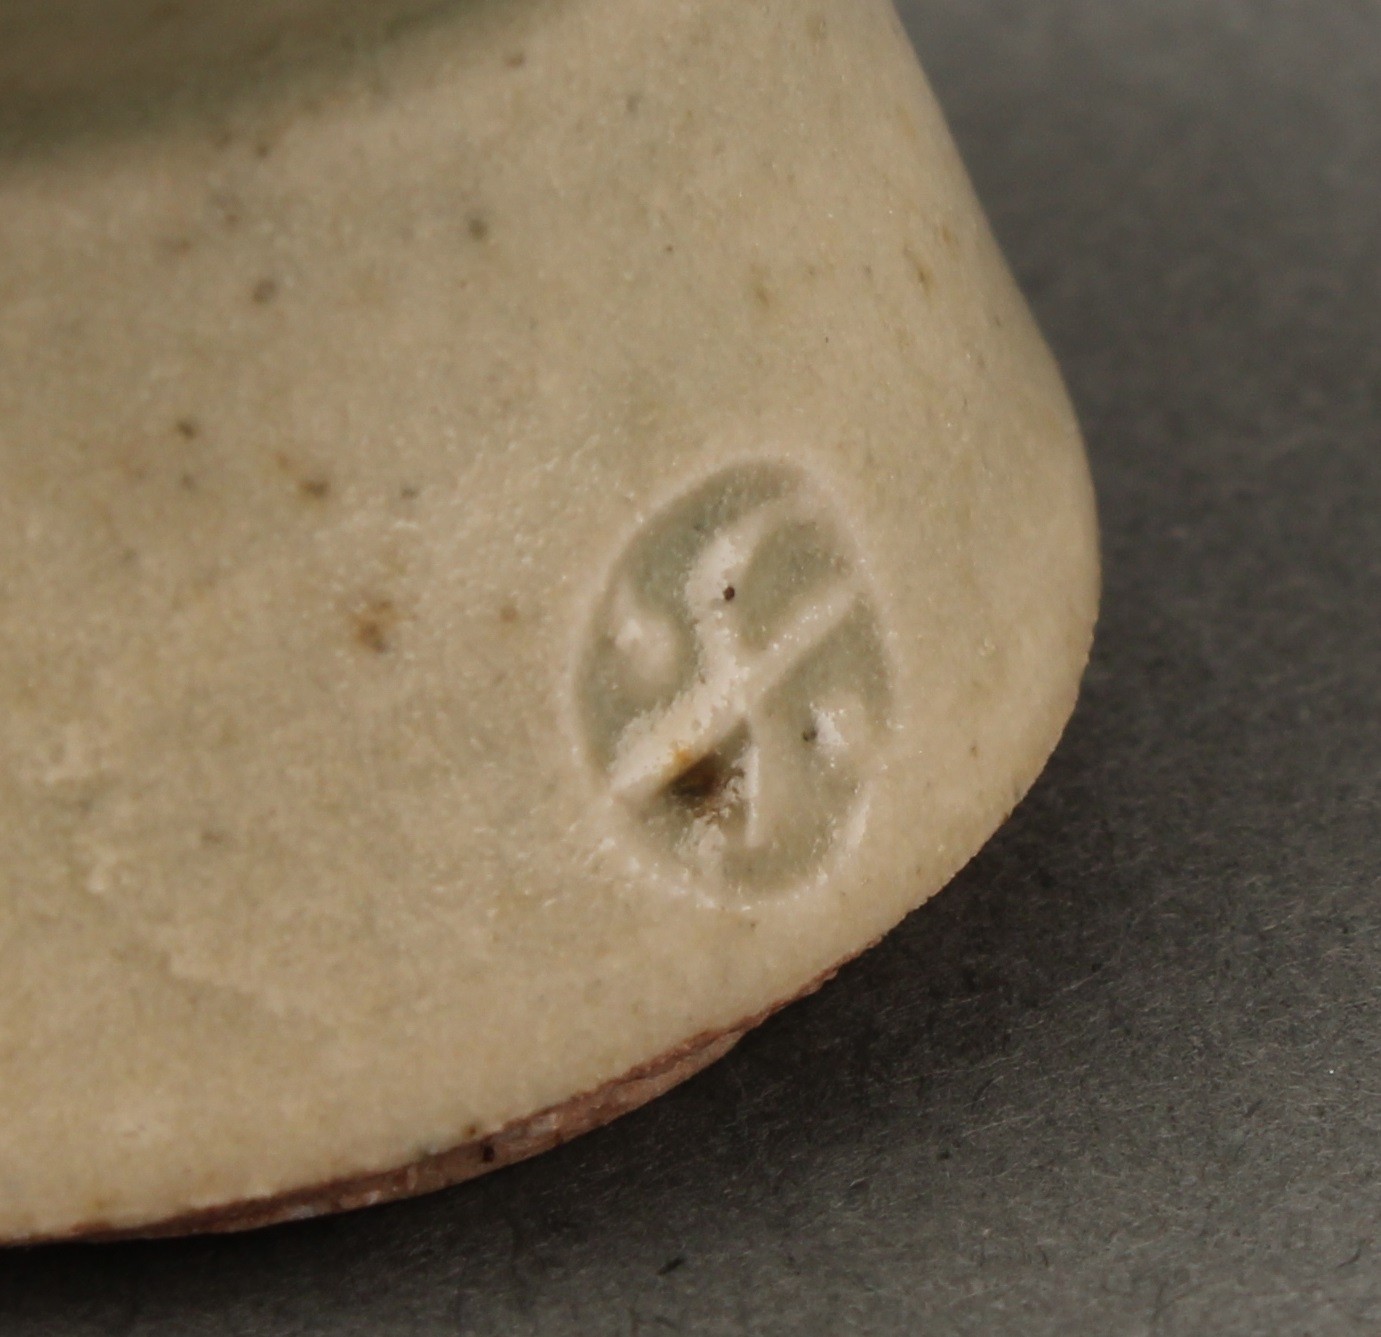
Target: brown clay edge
column 523, row 1137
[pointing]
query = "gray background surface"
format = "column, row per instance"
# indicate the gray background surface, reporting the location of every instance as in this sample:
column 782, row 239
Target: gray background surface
column 1124, row 1076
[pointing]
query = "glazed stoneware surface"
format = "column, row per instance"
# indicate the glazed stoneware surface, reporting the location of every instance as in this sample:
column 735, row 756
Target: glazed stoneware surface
column 528, row 534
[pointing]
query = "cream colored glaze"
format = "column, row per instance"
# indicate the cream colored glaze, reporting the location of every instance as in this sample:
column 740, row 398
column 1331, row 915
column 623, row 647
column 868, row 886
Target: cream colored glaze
column 339, row 383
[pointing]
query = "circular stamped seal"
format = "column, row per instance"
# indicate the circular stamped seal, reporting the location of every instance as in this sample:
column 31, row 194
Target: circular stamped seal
column 733, row 689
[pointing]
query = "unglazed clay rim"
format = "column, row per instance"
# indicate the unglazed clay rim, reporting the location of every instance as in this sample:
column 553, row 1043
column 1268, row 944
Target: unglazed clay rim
column 519, row 1140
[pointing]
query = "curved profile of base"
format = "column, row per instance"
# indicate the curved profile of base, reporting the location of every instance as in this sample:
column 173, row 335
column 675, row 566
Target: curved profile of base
column 528, row 534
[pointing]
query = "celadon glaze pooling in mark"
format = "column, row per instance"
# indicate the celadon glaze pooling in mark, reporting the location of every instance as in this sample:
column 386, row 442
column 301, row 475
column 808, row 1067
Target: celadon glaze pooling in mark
column 734, row 688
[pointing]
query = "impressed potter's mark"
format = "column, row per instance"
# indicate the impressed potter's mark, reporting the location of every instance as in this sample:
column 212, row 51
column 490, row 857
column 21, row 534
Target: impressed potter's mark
column 734, row 689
